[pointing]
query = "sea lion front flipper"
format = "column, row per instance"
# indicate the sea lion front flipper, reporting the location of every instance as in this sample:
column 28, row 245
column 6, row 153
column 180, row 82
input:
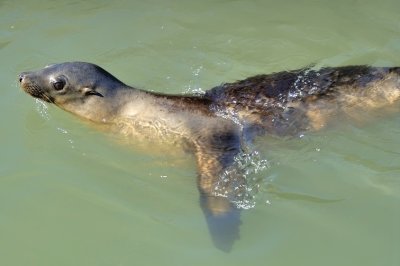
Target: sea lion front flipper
column 214, row 156
column 223, row 226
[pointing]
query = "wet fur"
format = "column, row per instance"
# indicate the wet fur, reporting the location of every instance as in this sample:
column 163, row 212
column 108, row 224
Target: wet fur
column 286, row 103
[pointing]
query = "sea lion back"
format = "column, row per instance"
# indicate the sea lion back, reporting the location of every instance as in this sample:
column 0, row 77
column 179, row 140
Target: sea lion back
column 282, row 102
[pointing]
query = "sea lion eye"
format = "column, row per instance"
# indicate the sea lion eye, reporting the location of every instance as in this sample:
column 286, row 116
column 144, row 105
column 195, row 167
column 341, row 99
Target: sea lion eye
column 59, row 85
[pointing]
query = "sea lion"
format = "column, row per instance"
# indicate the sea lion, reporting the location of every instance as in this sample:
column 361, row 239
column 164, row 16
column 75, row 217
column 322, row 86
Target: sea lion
column 217, row 125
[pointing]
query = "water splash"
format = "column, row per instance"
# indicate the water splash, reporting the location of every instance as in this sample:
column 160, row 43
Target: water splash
column 70, row 141
column 240, row 182
column 194, row 86
column 62, row 130
column 42, row 109
column 304, row 84
column 194, row 90
column 227, row 114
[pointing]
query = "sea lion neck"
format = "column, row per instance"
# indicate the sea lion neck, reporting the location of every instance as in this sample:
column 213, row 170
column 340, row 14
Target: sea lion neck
column 140, row 103
column 106, row 106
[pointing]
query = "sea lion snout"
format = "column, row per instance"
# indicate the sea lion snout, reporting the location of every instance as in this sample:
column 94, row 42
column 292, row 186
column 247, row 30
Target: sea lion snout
column 24, row 81
column 30, row 86
column 25, row 78
column 21, row 76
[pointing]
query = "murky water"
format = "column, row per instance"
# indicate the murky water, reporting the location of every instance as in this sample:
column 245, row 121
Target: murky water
column 70, row 195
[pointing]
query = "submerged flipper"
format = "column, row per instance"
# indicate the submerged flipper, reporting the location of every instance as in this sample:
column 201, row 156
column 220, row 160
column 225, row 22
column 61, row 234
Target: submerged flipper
column 224, row 225
column 217, row 187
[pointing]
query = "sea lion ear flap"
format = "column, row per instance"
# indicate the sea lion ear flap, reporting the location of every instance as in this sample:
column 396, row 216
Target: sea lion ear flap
column 88, row 91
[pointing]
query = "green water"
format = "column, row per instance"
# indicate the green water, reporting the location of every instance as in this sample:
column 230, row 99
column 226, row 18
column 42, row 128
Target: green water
column 70, row 195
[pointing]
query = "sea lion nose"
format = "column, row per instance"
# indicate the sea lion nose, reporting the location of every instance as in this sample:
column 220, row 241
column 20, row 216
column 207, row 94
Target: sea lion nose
column 22, row 76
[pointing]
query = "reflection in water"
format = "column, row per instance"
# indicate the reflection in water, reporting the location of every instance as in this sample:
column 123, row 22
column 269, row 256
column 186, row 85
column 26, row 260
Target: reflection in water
column 279, row 194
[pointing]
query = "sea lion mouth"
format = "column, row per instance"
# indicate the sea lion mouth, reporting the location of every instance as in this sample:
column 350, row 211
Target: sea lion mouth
column 34, row 90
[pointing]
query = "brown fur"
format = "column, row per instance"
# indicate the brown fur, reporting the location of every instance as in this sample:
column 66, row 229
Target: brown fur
column 289, row 102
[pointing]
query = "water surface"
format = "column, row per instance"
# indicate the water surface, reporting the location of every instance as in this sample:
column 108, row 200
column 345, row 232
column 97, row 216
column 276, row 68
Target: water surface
column 70, row 195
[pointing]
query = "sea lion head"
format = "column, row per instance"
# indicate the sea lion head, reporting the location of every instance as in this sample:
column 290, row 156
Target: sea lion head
column 83, row 89
column 69, row 83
